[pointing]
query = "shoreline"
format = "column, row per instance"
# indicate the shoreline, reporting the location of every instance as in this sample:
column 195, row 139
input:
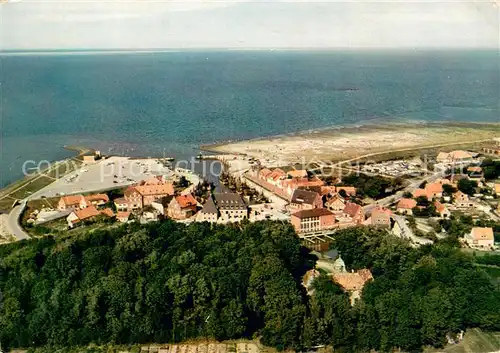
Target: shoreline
column 368, row 125
column 349, row 141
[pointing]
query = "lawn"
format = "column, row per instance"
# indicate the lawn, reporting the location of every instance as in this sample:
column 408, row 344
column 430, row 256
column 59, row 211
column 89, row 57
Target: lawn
column 475, row 341
column 32, row 187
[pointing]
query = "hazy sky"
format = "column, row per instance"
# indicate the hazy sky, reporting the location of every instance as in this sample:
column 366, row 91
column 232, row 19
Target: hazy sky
column 64, row 24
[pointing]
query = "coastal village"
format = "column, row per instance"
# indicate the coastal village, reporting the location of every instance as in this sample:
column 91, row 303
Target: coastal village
column 424, row 205
column 452, row 192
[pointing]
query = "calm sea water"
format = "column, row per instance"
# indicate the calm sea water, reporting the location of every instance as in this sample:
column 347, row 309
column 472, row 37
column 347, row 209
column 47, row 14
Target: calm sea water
column 152, row 104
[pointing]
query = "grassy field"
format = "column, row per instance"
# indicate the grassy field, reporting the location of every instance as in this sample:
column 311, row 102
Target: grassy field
column 475, row 341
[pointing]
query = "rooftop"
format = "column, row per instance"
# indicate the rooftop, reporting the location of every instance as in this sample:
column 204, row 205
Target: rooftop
column 304, row 197
column 315, row 212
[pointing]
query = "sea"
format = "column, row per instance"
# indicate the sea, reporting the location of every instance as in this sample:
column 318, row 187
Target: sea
column 155, row 104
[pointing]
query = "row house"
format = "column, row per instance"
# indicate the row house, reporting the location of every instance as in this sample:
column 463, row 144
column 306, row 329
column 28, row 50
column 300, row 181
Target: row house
column 290, row 185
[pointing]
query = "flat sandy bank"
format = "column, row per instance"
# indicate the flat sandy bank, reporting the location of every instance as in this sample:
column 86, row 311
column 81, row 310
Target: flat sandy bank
column 347, row 143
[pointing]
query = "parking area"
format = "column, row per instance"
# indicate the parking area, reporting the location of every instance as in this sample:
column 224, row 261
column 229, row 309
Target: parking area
column 107, row 174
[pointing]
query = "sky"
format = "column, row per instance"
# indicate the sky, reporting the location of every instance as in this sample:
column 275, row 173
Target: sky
column 250, row 24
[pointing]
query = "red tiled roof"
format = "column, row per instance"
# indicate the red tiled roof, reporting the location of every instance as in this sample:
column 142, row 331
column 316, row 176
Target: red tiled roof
column 164, row 189
column 315, row 212
column 122, row 214
column 351, row 281
column 107, row 212
column 352, row 209
column 480, row 233
column 72, row 199
column 86, row 213
column 434, row 188
column 97, row 197
column 185, row 201
column 407, row 204
column 420, row 192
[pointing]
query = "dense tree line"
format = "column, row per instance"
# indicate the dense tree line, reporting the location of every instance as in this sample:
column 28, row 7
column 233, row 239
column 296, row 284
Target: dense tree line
column 373, row 186
column 167, row 282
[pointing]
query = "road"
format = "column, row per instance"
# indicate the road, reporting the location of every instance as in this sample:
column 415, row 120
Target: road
column 13, row 226
column 387, row 201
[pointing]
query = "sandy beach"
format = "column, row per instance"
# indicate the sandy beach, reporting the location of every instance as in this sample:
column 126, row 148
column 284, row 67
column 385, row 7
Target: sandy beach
column 343, row 144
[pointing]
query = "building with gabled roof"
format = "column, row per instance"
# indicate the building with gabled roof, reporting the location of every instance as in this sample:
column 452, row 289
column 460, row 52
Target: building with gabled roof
column 305, row 200
column 480, row 237
column 335, row 203
column 353, row 282
column 182, row 207
column 354, row 212
column 381, row 217
column 231, row 207
column 209, row 212
column 87, row 214
column 405, row 206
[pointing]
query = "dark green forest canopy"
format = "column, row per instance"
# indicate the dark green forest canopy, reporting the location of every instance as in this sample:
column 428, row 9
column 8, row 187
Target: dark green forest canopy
column 168, row 282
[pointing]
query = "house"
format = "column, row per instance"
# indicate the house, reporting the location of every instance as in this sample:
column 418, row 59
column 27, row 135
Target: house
column 121, row 204
column 336, row 203
column 231, row 207
column 405, row 206
column 497, row 189
column 209, row 212
column 434, row 190
column 297, row 173
column 354, row 212
column 305, row 200
column 442, row 210
column 419, row 193
column 430, row 191
column 264, row 173
column 122, row 216
column 480, row 237
column 349, row 190
column 182, row 207
column 462, row 200
column 316, row 219
column 95, row 200
column 69, row 202
column 353, row 282
column 290, row 185
column 161, row 204
column 454, row 157
column 86, row 214
column 276, row 176
column 381, row 217
column 143, row 195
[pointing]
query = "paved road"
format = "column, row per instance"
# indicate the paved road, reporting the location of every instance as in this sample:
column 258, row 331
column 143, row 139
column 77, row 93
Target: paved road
column 13, row 226
column 399, row 195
